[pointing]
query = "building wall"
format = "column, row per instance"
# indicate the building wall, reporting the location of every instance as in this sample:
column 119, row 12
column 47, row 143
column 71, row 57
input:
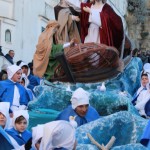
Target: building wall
column 5, row 25
column 7, row 22
column 31, row 17
column 25, row 20
column 6, row 8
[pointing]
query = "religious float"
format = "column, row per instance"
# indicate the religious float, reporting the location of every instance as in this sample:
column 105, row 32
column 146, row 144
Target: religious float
column 86, row 65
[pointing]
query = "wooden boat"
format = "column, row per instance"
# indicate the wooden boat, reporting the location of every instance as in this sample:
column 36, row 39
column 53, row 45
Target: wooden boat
column 89, row 62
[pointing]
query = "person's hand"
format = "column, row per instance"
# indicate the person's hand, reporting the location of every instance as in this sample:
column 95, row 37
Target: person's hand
column 72, row 42
column 75, row 18
column 87, row 9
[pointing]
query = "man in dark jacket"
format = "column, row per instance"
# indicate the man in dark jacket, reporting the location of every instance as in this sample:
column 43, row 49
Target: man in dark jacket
column 10, row 56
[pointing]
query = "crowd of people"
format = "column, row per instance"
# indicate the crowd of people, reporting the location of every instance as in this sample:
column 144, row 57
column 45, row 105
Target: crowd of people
column 76, row 22
column 56, row 135
column 16, row 91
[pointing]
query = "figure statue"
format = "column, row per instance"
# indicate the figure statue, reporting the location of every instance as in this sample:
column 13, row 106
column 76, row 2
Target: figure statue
column 44, row 61
column 100, row 23
column 68, row 18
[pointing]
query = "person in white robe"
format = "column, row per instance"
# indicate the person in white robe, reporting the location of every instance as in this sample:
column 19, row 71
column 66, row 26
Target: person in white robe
column 25, row 82
column 143, row 94
column 58, row 134
column 11, row 90
column 37, row 134
column 4, row 113
column 4, row 109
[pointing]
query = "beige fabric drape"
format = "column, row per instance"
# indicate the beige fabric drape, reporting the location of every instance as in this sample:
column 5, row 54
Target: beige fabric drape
column 68, row 28
column 43, row 49
column 64, row 30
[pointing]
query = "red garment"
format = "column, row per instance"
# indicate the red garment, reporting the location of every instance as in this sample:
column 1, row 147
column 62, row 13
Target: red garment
column 111, row 30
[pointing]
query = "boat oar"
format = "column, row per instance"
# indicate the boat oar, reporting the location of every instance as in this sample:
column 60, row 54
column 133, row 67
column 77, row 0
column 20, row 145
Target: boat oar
column 102, row 147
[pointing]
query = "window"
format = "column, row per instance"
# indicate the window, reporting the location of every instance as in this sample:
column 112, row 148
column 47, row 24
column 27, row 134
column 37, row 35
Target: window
column 47, row 10
column 7, row 36
column 42, row 29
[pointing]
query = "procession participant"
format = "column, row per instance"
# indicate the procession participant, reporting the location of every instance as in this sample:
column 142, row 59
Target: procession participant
column 4, row 114
column 58, row 135
column 11, row 90
column 79, row 109
column 25, row 82
column 144, row 84
column 7, row 142
column 37, row 134
column 44, row 62
column 33, row 80
column 19, row 130
column 142, row 96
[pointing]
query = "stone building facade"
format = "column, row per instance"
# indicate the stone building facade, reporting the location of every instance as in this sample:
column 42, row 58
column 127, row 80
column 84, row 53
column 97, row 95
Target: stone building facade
column 138, row 20
column 145, row 32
